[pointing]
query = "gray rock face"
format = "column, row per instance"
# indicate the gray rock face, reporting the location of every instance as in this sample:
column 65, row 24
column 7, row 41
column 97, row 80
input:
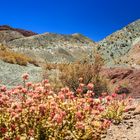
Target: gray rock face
column 10, row 74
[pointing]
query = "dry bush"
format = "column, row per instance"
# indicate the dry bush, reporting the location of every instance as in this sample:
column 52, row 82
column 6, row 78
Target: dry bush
column 33, row 61
column 50, row 66
column 12, row 57
column 88, row 69
column 70, row 74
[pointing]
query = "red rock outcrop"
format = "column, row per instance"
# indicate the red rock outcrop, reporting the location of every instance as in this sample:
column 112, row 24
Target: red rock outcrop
column 23, row 32
column 131, row 77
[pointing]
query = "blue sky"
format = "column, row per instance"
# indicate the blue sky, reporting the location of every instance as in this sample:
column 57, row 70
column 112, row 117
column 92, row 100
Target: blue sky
column 93, row 18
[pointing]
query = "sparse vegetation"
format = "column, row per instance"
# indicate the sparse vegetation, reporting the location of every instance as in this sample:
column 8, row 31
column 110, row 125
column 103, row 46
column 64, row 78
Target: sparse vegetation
column 12, row 57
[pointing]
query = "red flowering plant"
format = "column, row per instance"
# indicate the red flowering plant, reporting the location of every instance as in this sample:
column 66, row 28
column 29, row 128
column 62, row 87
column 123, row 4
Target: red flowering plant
column 34, row 111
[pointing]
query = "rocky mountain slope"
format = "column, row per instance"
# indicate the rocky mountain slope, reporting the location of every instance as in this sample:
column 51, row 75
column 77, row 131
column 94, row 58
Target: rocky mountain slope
column 54, row 47
column 48, row 47
column 118, row 48
column 118, row 44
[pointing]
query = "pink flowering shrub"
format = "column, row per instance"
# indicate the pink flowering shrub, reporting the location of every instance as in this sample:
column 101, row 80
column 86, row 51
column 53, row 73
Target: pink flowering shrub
column 35, row 112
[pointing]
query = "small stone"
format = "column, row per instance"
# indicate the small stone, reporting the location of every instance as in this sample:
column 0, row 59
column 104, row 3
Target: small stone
column 133, row 117
column 128, row 127
column 130, row 124
column 127, row 117
column 130, row 108
column 103, row 136
column 125, row 122
column 124, row 138
column 137, row 110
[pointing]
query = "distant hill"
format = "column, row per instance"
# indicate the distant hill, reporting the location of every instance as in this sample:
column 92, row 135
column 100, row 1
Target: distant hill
column 48, row 47
column 21, row 31
column 54, row 47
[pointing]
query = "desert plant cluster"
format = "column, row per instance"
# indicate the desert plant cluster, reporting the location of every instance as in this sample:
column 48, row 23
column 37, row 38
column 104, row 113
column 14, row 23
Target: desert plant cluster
column 33, row 111
column 88, row 68
column 12, row 57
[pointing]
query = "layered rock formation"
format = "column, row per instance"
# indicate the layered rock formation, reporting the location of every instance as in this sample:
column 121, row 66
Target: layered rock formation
column 54, row 47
